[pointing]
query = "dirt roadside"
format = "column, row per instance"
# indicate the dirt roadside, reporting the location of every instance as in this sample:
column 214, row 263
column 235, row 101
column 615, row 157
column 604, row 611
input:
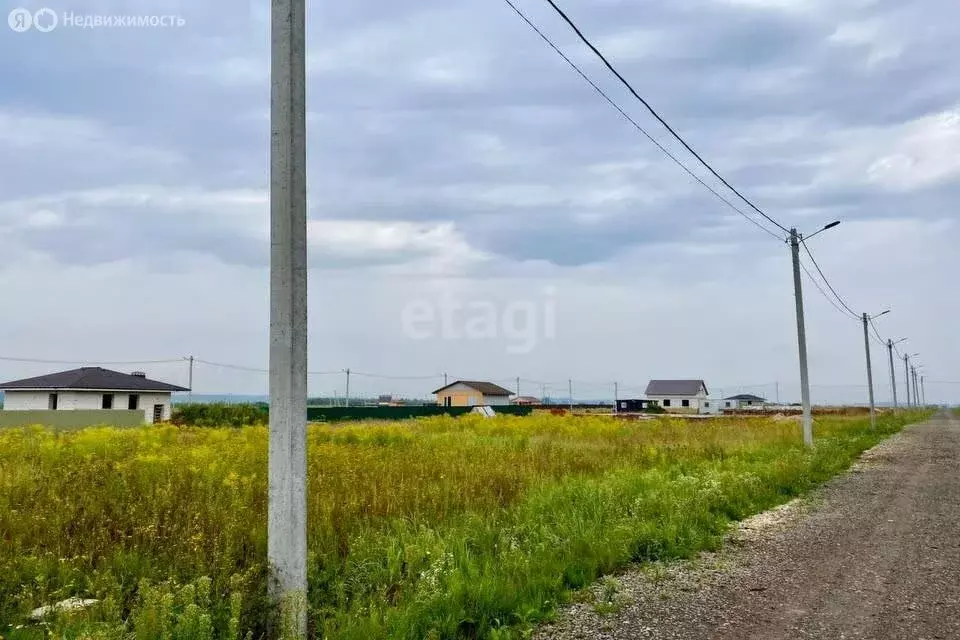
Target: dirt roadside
column 873, row 554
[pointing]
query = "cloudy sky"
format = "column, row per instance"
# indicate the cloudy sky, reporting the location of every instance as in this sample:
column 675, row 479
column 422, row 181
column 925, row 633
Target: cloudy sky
column 475, row 208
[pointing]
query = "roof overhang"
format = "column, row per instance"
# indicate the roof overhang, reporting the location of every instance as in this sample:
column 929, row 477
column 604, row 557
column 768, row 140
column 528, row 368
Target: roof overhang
column 674, row 395
column 52, row 389
column 504, row 392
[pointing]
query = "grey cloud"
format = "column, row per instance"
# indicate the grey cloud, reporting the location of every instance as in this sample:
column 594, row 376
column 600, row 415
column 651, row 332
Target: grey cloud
column 387, row 144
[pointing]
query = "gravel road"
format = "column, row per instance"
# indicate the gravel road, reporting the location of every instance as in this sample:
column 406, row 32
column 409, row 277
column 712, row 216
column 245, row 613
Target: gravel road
column 874, row 554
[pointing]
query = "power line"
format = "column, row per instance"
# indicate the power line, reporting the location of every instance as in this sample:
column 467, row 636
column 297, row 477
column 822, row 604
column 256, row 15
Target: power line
column 820, row 289
column 656, row 115
column 827, row 282
column 880, row 339
column 387, row 377
column 238, row 367
column 636, row 125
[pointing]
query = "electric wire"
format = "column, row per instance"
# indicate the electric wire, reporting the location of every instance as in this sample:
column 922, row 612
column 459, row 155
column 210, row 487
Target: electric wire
column 237, row 367
column 388, row 377
column 820, row 289
column 827, row 282
column 637, row 125
column 880, row 339
column 656, row 115
column 845, row 310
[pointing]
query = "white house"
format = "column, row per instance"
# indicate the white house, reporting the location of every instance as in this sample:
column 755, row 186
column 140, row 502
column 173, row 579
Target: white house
column 91, row 388
column 744, row 401
column 680, row 396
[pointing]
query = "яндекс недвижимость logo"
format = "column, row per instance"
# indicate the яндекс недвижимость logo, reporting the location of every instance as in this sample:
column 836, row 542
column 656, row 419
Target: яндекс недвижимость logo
column 43, row 20
column 46, row 20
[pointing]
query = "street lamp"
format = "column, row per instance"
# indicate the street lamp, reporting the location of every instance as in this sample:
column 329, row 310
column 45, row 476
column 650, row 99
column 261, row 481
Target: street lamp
column 826, row 227
column 795, row 239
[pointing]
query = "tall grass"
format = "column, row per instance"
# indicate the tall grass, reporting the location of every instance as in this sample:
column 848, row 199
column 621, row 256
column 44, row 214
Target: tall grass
column 220, row 414
column 436, row 528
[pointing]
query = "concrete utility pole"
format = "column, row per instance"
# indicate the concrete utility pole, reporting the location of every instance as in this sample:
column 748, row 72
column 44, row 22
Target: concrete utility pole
column 616, row 397
column 923, row 392
column 778, row 392
column 801, row 340
column 346, row 396
column 287, row 503
column 913, row 396
column 916, row 387
column 893, row 375
column 906, row 376
column 444, row 379
column 916, row 390
column 518, row 386
column 190, row 379
column 866, row 346
column 570, row 391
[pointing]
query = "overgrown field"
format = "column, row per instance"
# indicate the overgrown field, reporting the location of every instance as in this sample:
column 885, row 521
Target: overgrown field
column 438, row 528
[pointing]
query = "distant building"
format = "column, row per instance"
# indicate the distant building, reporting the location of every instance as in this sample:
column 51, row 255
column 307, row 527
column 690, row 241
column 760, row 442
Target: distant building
column 680, row 396
column 633, row 405
column 469, row 393
column 91, row 388
column 526, row 401
column 711, row 406
column 744, row 401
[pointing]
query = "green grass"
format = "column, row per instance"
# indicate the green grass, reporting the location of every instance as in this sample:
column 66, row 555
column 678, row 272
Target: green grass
column 220, row 414
column 436, row 528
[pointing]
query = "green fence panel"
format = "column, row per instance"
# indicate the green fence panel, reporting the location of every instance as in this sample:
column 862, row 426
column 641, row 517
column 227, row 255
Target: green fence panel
column 335, row 414
column 78, row 419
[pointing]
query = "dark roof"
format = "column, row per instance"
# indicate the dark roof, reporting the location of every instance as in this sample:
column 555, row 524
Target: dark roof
column 675, row 387
column 91, row 378
column 747, row 396
column 486, row 388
